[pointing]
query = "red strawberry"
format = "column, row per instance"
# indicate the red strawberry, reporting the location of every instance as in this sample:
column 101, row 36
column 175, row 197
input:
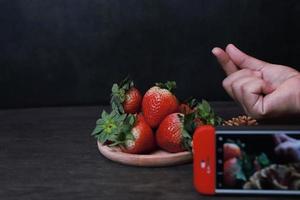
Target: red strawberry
column 142, row 140
column 158, row 102
column 132, row 101
column 128, row 131
column 231, row 150
column 171, row 134
column 198, row 122
column 185, row 109
column 125, row 97
column 203, row 112
column 188, row 106
column 231, row 168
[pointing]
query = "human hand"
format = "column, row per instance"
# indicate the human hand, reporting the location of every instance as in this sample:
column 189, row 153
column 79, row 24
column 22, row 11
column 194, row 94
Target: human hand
column 287, row 148
column 263, row 89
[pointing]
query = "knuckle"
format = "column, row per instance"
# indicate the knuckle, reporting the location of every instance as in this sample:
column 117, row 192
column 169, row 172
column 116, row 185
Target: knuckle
column 244, row 88
column 236, row 85
column 226, row 83
column 246, row 71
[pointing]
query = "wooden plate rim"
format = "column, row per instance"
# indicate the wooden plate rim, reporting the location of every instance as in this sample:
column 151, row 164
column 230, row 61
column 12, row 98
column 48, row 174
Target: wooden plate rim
column 155, row 159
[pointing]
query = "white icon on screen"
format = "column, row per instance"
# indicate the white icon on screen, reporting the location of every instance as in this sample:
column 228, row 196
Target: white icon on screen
column 202, row 164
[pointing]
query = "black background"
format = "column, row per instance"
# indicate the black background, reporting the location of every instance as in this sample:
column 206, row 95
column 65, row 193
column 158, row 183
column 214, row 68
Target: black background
column 69, row 52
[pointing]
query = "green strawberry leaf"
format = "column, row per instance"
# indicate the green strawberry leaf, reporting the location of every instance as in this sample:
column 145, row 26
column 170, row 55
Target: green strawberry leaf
column 118, row 94
column 211, row 121
column 187, row 128
column 114, row 127
column 189, row 122
column 240, row 176
column 125, row 133
column 169, row 85
column 187, row 140
column 104, row 114
column 131, row 120
column 96, row 130
column 115, row 88
column 108, row 126
column 130, row 136
column 247, row 164
column 263, row 160
column 206, row 107
column 206, row 114
column 117, row 143
column 192, row 103
column 126, row 83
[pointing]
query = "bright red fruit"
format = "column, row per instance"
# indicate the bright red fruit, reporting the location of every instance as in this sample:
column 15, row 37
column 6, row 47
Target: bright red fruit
column 231, row 150
column 126, row 98
column 170, row 133
column 132, row 101
column 143, row 140
column 231, row 168
column 198, row 122
column 158, row 102
column 185, row 109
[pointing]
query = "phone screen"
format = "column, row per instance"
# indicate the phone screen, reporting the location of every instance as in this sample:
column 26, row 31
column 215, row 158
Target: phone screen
column 258, row 162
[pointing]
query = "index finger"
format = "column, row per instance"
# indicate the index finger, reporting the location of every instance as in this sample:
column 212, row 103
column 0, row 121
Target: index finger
column 225, row 61
column 277, row 139
column 243, row 60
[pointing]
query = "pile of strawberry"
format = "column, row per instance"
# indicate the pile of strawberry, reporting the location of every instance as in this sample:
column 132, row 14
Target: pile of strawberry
column 141, row 124
column 239, row 166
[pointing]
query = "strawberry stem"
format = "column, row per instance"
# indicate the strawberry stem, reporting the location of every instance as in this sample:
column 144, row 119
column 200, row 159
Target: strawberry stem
column 169, row 85
column 118, row 94
column 114, row 127
column 187, row 130
column 205, row 112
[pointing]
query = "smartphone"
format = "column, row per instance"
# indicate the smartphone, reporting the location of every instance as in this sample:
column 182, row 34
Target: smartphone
column 258, row 160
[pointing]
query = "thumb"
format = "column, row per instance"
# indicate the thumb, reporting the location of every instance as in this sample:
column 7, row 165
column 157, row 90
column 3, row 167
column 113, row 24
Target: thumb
column 253, row 93
column 243, row 60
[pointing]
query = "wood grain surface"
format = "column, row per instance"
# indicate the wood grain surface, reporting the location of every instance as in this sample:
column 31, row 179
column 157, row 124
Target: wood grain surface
column 48, row 153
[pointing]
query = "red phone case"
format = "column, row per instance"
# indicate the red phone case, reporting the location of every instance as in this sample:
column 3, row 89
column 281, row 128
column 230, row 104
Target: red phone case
column 205, row 160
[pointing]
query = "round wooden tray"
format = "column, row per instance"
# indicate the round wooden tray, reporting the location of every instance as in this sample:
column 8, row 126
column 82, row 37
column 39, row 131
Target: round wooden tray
column 157, row 158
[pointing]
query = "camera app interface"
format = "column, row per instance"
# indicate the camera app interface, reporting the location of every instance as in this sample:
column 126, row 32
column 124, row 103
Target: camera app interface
column 258, row 161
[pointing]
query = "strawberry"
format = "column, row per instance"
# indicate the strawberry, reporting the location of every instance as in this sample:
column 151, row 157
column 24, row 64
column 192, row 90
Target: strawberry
column 231, row 150
column 130, row 132
column 231, row 168
column 198, row 122
column 158, row 102
column 188, row 106
column 125, row 97
column 132, row 101
column 185, row 109
column 142, row 140
column 204, row 114
column 172, row 134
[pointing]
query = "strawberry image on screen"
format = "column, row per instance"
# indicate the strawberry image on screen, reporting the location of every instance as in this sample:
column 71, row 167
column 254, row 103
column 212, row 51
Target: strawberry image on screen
column 261, row 162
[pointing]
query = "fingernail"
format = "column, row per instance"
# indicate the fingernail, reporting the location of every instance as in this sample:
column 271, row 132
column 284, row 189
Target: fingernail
column 230, row 46
column 215, row 51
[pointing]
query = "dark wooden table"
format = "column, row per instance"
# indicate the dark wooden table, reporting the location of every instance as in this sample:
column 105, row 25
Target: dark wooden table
column 48, row 153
